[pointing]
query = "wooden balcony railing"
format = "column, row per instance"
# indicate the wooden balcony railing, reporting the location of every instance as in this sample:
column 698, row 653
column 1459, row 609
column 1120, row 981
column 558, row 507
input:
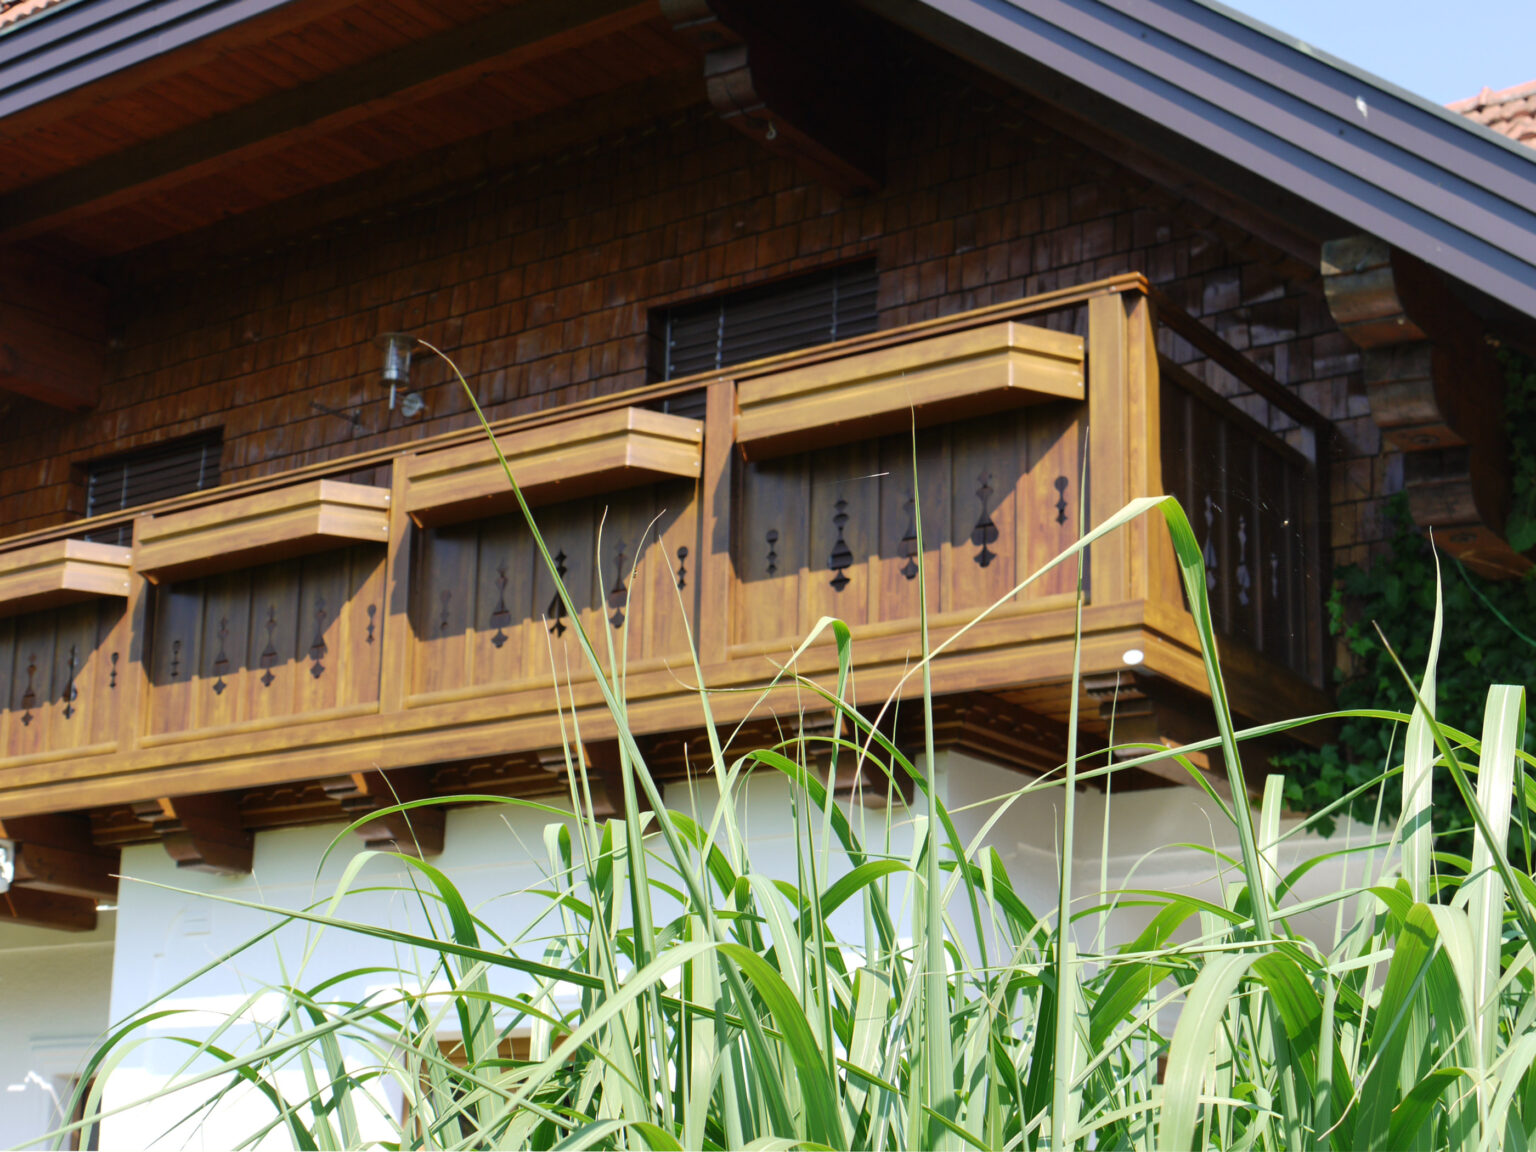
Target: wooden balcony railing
column 304, row 627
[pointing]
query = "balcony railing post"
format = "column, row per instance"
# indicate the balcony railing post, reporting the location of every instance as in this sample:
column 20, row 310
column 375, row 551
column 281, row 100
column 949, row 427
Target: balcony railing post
column 395, row 634
column 133, row 669
column 716, row 575
column 1124, row 435
column 1109, row 418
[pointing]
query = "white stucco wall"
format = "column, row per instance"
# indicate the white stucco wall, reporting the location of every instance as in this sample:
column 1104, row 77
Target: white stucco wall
column 53, row 1011
column 493, row 855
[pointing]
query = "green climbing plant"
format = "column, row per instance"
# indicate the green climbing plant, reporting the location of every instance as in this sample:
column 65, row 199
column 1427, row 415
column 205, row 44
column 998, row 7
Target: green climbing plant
column 1494, row 640
column 1520, row 420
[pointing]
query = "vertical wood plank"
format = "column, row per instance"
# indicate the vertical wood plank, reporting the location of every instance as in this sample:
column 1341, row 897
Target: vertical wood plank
column 394, row 638
column 675, row 512
column 1148, row 544
column 570, row 533
column 628, row 552
column 893, row 569
column 9, row 717
column 134, row 636
column 321, row 654
column 1051, row 503
column 844, row 518
column 272, row 668
column 216, row 696
column 106, row 675
column 443, row 601
column 717, row 584
column 1109, row 420
column 503, row 601
column 74, row 632
column 173, row 655
column 987, row 475
column 31, row 686
column 358, row 665
column 773, row 502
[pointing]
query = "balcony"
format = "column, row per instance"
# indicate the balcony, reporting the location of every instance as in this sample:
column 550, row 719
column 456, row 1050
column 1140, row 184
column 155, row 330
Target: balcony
column 279, row 642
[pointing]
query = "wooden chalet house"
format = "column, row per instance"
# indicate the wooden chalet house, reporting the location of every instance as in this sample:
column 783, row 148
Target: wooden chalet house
column 702, row 262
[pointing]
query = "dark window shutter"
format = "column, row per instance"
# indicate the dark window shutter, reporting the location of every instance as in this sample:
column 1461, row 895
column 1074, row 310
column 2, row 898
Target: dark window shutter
column 782, row 317
column 142, row 477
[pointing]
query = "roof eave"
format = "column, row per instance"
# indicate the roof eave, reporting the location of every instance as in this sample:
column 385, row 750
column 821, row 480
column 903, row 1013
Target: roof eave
column 1357, row 148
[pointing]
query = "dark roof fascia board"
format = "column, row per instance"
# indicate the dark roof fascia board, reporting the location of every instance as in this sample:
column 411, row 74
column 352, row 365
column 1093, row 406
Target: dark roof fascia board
column 1418, row 180
column 1453, row 122
column 66, row 49
column 1440, row 138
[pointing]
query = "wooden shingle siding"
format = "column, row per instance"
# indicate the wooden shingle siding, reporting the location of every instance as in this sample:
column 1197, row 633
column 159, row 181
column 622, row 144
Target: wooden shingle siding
column 541, row 285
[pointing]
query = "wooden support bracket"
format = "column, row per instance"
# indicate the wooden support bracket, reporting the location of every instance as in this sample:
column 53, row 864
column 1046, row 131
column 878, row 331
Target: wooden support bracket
column 800, row 78
column 989, row 728
column 1148, row 710
column 604, row 777
column 40, row 909
column 203, row 833
column 1436, row 393
column 416, row 832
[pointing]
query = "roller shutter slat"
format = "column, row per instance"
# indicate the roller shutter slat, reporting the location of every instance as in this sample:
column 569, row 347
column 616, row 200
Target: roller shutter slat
column 769, row 321
column 158, row 473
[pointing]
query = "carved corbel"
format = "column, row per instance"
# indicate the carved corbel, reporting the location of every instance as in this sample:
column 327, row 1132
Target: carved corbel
column 800, row 78
column 416, row 832
column 990, row 728
column 604, row 776
column 1143, row 712
column 202, row 833
column 1436, row 393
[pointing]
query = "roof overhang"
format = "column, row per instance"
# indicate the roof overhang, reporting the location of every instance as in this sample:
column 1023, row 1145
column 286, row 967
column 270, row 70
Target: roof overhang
column 1188, row 73
column 74, row 45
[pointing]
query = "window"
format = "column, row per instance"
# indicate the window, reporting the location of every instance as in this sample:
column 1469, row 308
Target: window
column 780, row 317
column 142, row 477
column 78, row 1095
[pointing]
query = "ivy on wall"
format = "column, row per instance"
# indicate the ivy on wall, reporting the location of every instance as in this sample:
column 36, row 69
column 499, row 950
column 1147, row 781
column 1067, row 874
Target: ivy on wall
column 1489, row 636
column 1520, row 420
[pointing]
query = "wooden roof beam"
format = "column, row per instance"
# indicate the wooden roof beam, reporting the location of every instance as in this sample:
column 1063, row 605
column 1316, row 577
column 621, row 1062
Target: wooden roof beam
column 404, row 76
column 47, row 910
column 51, row 875
column 802, row 79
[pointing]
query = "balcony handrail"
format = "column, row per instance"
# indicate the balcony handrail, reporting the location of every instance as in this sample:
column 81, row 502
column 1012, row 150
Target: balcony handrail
column 1030, row 306
column 1245, row 370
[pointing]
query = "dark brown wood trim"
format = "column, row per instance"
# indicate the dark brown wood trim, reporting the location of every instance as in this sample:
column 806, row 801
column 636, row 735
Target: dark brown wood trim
column 1436, row 393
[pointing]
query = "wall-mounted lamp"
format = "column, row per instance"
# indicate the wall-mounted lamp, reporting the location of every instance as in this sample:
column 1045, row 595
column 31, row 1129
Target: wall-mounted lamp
column 398, row 347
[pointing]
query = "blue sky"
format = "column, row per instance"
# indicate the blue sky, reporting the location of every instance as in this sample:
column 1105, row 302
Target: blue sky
column 1442, row 49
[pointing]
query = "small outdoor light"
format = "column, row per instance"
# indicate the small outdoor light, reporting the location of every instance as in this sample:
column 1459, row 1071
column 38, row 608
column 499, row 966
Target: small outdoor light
column 397, row 347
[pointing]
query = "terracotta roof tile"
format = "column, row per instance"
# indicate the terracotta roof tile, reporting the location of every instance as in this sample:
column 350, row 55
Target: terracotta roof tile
column 1512, row 111
column 15, row 11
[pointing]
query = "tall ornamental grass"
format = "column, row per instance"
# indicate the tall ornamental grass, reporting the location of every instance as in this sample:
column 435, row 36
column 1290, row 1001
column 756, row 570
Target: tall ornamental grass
column 895, row 991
